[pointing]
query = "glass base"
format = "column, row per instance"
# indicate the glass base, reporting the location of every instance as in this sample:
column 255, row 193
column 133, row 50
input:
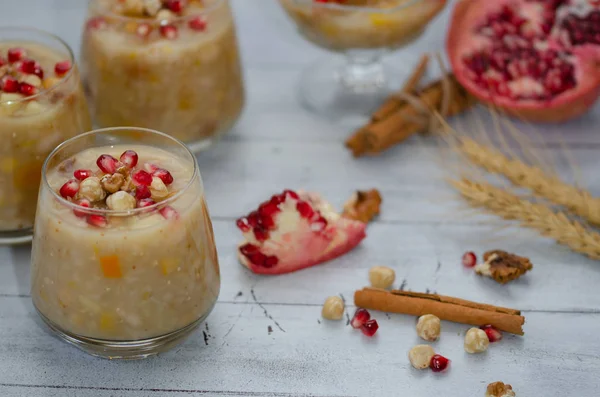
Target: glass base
column 124, row 350
column 23, row 236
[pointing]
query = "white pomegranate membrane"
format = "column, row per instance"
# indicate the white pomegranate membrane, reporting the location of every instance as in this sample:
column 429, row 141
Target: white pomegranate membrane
column 294, row 230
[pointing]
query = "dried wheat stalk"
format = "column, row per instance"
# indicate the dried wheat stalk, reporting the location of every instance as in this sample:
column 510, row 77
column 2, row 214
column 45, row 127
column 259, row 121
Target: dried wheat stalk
column 536, row 216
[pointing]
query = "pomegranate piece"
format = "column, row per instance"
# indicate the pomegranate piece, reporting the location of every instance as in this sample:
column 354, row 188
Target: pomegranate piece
column 169, row 32
column 10, row 84
column 16, row 54
column 107, row 163
column 469, row 259
column 61, row 68
column 198, row 24
column 39, row 72
column 492, row 333
column 175, row 5
column 97, row 220
column 141, row 177
column 532, row 58
column 82, row 203
column 28, row 66
column 169, row 213
column 143, row 30
column 299, row 230
column 164, row 176
column 145, row 202
column 27, row 89
column 142, row 192
column 150, row 168
column 129, row 158
column 361, row 316
column 439, row 363
column 80, row 175
column 70, row 188
column 370, row 327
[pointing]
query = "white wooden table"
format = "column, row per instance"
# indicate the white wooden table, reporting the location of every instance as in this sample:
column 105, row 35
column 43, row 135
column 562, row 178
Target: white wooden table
column 265, row 336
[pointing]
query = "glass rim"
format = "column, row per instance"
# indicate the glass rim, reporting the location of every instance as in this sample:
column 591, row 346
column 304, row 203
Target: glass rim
column 92, row 4
column 345, row 7
column 70, row 53
column 122, row 213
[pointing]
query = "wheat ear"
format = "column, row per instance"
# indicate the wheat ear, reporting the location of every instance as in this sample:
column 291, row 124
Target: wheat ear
column 536, row 216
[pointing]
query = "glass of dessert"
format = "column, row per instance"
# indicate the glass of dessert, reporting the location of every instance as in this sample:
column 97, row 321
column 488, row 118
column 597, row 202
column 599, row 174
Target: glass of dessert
column 363, row 31
column 124, row 263
column 41, row 104
column 169, row 65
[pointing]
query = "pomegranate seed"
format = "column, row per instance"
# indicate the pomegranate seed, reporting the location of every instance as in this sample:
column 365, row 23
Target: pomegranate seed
column 248, row 249
column 82, row 174
column 198, row 24
column 438, row 363
column 361, row 316
column 16, row 54
column 243, row 225
column 3, row 61
column 27, row 89
column 369, row 327
column 305, row 209
column 39, row 72
column 261, row 234
column 107, row 163
column 61, row 68
column 267, row 222
column 291, row 193
column 97, row 220
column 277, row 199
column 253, row 219
column 270, row 261
column 143, row 30
column 469, row 259
column 70, row 188
column 145, row 202
column 175, row 5
column 10, row 84
column 28, row 66
column 82, row 203
column 164, row 176
column 97, row 23
column 129, row 158
column 141, row 177
column 168, row 32
column 149, row 167
column 268, row 209
column 492, row 333
column 169, row 213
column 257, row 258
column 142, row 192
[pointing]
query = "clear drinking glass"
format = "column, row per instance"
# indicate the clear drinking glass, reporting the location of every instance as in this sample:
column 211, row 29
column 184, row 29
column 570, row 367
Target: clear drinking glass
column 177, row 72
column 123, row 281
column 363, row 31
column 41, row 104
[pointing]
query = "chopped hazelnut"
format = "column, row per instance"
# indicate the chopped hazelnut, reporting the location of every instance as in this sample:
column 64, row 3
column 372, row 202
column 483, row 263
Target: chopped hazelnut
column 152, row 7
column 91, row 189
column 32, row 79
column 429, row 327
column 476, row 341
column 112, row 182
column 381, row 277
column 165, row 15
column 420, row 356
column 158, row 189
column 333, row 308
column 120, row 201
column 499, row 389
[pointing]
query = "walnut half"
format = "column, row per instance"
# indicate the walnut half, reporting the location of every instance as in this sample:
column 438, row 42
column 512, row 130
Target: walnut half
column 503, row 266
column 499, row 389
column 363, row 206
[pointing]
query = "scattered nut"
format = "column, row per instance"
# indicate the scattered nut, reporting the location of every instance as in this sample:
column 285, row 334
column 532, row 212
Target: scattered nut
column 152, row 7
column 333, row 308
column 429, row 327
column 112, row 182
column 165, row 15
column 363, row 206
column 420, row 356
column 499, row 389
column 32, row 79
column 381, row 277
column 158, row 189
column 503, row 266
column 120, row 201
column 91, row 189
column 476, row 341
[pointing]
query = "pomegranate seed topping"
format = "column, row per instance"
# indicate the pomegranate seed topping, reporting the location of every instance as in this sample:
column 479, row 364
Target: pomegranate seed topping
column 261, row 234
column 82, row 174
column 168, row 32
column 305, row 209
column 27, row 89
column 369, row 327
column 141, row 177
column 97, row 220
column 142, row 192
column 248, row 249
column 169, row 213
column 61, row 68
column 16, row 54
column 85, row 203
column 469, row 259
column 70, row 188
column 97, row 23
column 28, row 66
column 198, row 24
column 149, row 167
column 39, row 72
column 492, row 333
column 253, row 219
column 243, row 225
column 129, row 158
column 145, row 202
column 291, row 193
column 107, row 163
column 174, row 5
column 143, row 30
column 10, row 84
column 439, row 363
column 361, row 316
column 164, row 176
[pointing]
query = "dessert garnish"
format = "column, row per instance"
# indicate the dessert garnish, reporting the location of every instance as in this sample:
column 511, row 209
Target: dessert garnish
column 118, row 185
column 295, row 230
column 503, row 266
column 499, row 389
column 492, row 333
column 476, row 341
column 469, row 259
column 423, row 356
column 363, row 205
column 381, row 277
column 333, row 308
column 429, row 327
column 362, row 320
column 445, row 307
column 439, row 363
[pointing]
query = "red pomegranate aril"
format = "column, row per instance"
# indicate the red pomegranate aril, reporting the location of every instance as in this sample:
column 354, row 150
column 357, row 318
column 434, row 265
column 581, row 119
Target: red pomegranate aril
column 164, row 176
column 469, row 259
column 492, row 333
column 305, row 209
column 39, row 72
column 258, row 258
column 97, row 23
column 169, row 32
column 277, row 199
column 28, row 66
column 149, row 167
column 61, row 68
column 145, row 202
column 97, row 220
column 261, row 234
column 270, row 261
column 267, row 222
column 10, row 84
column 369, row 327
column 27, row 89
column 198, row 24
column 253, row 219
column 141, row 177
column 3, row 61
column 361, row 316
column 80, row 175
column 70, row 188
column 243, row 225
column 142, row 192
column 82, row 213
column 107, row 163
column 175, row 5
column 291, row 193
column 129, row 158
column 248, row 249
column 16, row 54
column 143, row 30
column 268, row 209
column 169, row 213
column 439, row 363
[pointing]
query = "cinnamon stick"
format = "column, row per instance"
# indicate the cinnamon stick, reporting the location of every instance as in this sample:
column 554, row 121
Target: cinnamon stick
column 445, row 307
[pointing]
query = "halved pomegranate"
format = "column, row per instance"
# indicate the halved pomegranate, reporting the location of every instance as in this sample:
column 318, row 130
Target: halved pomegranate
column 537, row 59
column 293, row 231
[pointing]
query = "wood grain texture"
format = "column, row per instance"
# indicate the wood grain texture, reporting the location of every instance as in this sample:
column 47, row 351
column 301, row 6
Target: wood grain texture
column 421, row 233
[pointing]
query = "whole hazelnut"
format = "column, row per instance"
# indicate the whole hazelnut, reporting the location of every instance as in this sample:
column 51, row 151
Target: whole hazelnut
column 429, row 327
column 381, row 277
column 120, row 201
column 476, row 341
column 420, row 356
column 112, row 182
column 91, row 189
column 158, row 189
column 333, row 308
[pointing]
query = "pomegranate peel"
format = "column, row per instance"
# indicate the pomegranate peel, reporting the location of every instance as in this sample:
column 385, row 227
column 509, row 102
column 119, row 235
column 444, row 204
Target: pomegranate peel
column 293, row 231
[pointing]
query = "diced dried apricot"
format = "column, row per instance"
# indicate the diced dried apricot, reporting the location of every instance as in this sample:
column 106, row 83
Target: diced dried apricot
column 111, row 266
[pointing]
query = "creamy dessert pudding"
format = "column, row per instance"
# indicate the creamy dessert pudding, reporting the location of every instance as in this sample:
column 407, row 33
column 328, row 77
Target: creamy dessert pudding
column 124, row 248
column 41, row 104
column 170, row 65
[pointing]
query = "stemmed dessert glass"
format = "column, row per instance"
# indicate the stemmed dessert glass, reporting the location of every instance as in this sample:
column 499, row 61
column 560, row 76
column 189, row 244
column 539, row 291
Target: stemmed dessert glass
column 363, row 31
